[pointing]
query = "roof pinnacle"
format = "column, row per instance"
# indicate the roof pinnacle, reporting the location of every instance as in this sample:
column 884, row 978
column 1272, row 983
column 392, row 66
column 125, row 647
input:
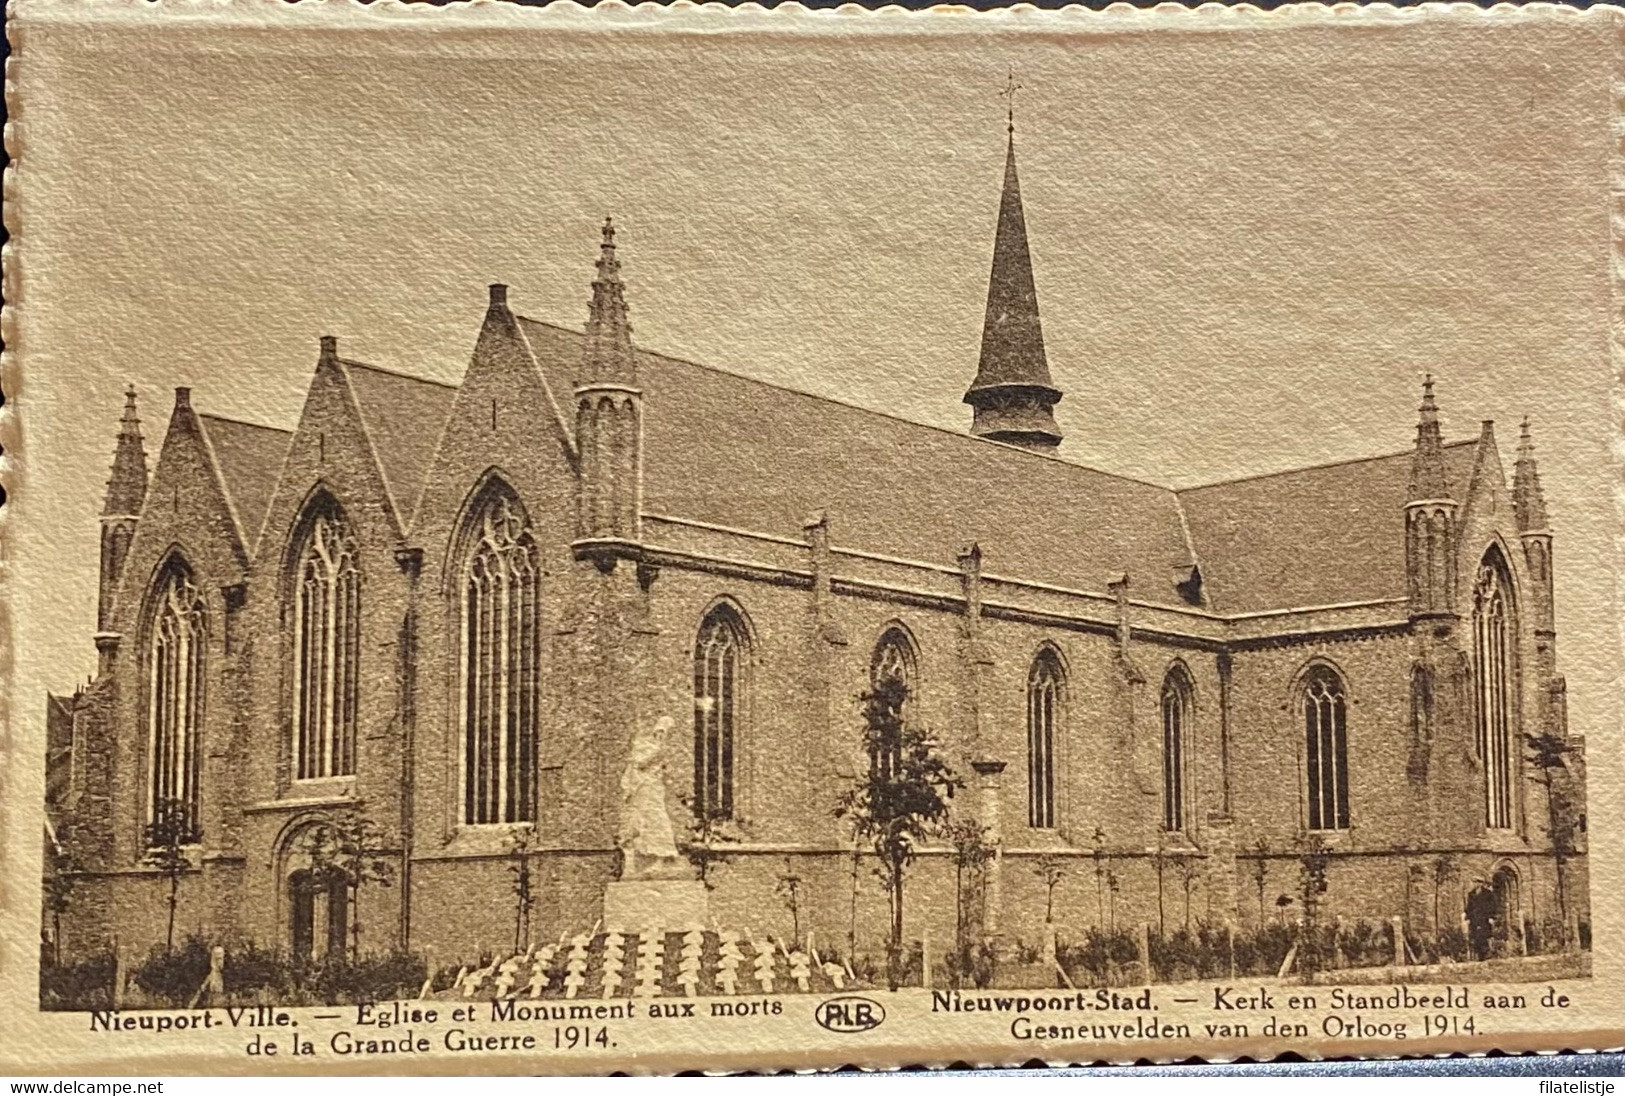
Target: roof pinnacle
column 608, row 351
column 1528, row 500
column 127, row 486
column 609, row 269
column 1427, row 462
column 1009, row 94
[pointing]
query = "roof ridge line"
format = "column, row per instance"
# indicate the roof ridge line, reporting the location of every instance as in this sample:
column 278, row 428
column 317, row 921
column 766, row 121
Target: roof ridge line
column 344, row 366
column 213, row 460
column 1310, row 468
column 244, row 422
column 402, row 374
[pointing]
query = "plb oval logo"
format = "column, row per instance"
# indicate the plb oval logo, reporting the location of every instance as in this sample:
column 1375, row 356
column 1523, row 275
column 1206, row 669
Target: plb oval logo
column 849, row 1014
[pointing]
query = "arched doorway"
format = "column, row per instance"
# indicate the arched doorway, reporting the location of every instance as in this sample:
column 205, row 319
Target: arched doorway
column 316, row 896
column 318, row 904
column 1494, row 915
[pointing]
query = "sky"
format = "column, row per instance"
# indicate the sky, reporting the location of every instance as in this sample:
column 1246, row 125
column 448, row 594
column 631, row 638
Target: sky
column 1251, row 237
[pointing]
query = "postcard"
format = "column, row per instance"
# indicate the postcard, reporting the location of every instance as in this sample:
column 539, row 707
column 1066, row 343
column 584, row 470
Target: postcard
column 573, row 540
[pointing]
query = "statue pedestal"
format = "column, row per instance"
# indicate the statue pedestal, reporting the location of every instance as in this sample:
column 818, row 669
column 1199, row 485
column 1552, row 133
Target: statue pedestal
column 648, row 905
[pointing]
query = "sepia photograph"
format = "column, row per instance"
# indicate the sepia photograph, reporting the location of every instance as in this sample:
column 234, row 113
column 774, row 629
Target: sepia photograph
column 588, row 539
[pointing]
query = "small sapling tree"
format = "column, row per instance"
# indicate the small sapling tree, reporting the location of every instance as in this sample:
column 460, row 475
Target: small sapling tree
column 167, row 836
column 1190, row 871
column 1101, row 871
column 1050, row 872
column 968, row 839
column 1312, row 864
column 521, row 847
column 900, row 801
column 788, row 887
column 352, row 849
column 1261, row 874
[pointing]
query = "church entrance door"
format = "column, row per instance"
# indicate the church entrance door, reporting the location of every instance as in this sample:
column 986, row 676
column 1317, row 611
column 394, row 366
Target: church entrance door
column 1493, row 916
column 320, row 920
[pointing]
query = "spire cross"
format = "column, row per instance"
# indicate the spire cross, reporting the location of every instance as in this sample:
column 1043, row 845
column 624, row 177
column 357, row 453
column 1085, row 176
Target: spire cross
column 1009, row 97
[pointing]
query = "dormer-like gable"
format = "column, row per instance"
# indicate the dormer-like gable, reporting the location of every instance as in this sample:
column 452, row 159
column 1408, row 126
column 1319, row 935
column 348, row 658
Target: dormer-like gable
column 189, row 511
column 355, row 443
column 505, row 420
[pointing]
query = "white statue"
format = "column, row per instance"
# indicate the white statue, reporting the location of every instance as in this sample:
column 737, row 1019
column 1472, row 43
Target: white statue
column 648, row 845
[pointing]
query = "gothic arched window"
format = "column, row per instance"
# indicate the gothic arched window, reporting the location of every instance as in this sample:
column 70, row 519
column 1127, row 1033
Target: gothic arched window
column 1494, row 662
column 719, row 670
column 892, row 678
column 176, row 656
column 1326, row 754
column 501, row 673
column 1176, row 711
column 327, row 649
column 1044, row 686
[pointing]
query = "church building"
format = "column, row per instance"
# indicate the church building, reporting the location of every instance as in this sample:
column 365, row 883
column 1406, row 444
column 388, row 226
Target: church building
column 443, row 609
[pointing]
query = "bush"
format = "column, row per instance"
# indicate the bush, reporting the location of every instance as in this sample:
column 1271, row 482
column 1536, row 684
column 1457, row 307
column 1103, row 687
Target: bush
column 1099, row 957
column 1366, row 944
column 1173, row 956
column 1213, row 948
column 388, row 977
column 1265, row 949
column 77, row 986
column 251, row 970
column 1316, row 949
column 174, row 977
column 972, row 965
column 1450, row 943
column 1185, row 955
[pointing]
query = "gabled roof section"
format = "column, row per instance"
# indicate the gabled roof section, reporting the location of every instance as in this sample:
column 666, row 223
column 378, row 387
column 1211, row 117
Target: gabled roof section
column 1327, row 535
column 403, row 416
column 249, row 459
column 729, row 450
column 558, row 353
column 733, row 451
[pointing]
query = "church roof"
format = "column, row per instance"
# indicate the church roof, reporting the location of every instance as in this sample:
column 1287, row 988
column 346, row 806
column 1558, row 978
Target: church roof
column 403, row 416
column 249, row 457
column 1326, row 535
column 730, row 450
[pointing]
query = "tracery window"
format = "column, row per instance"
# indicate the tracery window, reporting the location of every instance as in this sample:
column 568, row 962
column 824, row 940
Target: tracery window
column 1044, row 685
column 1494, row 660
column 719, row 669
column 327, row 649
column 177, row 652
column 892, row 677
column 501, row 678
column 1176, row 708
column 1325, row 728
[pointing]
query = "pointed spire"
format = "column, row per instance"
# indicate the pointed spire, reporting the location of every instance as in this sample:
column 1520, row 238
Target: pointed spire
column 1528, row 501
column 608, row 355
column 127, row 487
column 1012, row 394
column 1427, row 463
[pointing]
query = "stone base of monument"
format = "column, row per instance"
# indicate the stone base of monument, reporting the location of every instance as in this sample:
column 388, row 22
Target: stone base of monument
column 648, row 905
